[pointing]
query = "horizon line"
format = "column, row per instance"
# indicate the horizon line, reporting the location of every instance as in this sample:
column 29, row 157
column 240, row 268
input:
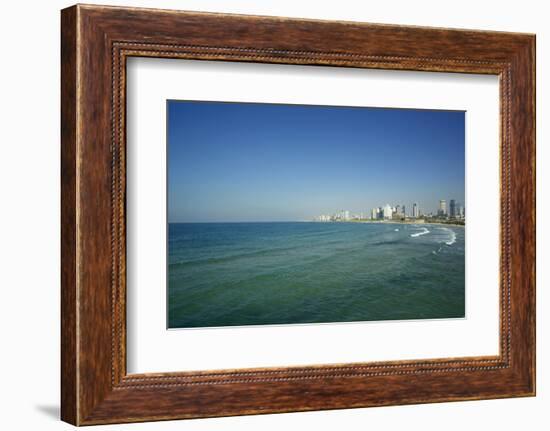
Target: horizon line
column 285, row 221
column 240, row 221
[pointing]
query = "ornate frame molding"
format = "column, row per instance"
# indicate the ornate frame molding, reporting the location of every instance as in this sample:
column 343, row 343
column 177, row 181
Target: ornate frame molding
column 96, row 41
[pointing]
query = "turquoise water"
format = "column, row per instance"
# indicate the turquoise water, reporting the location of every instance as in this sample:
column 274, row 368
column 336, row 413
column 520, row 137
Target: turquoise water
column 224, row 274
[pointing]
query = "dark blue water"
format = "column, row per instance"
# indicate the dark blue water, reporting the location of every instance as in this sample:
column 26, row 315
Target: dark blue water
column 224, row 274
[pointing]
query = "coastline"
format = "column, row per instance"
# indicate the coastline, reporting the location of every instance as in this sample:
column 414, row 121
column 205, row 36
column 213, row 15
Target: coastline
column 316, row 221
column 403, row 222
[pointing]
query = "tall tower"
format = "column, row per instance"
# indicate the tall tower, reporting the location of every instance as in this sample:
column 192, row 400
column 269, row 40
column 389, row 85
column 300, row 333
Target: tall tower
column 452, row 208
column 415, row 210
column 442, row 207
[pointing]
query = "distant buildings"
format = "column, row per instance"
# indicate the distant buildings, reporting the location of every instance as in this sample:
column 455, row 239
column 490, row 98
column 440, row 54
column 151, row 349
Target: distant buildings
column 342, row 215
column 388, row 212
column 442, row 208
column 398, row 212
column 456, row 210
column 453, row 209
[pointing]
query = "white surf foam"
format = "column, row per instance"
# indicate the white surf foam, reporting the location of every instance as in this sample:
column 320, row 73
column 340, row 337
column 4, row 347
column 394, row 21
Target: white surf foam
column 452, row 240
column 452, row 236
column 423, row 232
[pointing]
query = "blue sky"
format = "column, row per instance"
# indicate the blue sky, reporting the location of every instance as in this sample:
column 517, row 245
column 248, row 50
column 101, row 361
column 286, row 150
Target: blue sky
column 265, row 162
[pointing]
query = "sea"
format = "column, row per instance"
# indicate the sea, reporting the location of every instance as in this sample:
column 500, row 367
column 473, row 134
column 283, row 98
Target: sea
column 237, row 274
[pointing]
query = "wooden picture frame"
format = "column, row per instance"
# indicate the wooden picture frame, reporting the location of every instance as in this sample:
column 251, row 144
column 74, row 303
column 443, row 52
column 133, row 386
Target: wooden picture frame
column 95, row 43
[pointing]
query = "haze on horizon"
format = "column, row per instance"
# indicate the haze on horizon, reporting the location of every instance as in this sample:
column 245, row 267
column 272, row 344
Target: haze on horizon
column 238, row 162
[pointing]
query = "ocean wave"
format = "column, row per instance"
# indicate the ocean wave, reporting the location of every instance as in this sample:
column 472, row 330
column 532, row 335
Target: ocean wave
column 232, row 257
column 452, row 238
column 392, row 241
column 436, row 252
column 396, row 230
column 423, row 232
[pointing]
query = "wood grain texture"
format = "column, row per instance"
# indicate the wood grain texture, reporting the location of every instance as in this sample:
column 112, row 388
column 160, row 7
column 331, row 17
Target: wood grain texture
column 69, row 366
column 96, row 41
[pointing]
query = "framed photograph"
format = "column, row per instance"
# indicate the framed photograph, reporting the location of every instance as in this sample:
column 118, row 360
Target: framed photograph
column 265, row 215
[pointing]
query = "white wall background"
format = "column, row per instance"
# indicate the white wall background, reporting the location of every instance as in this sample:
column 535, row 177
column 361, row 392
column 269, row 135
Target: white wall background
column 29, row 215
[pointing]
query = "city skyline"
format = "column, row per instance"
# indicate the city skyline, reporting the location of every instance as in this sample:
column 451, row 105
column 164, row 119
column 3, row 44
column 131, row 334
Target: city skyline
column 412, row 211
column 262, row 162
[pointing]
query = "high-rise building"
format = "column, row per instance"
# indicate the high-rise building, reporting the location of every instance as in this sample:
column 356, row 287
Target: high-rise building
column 415, row 213
column 442, row 208
column 388, row 211
column 453, row 208
column 403, row 210
column 374, row 214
